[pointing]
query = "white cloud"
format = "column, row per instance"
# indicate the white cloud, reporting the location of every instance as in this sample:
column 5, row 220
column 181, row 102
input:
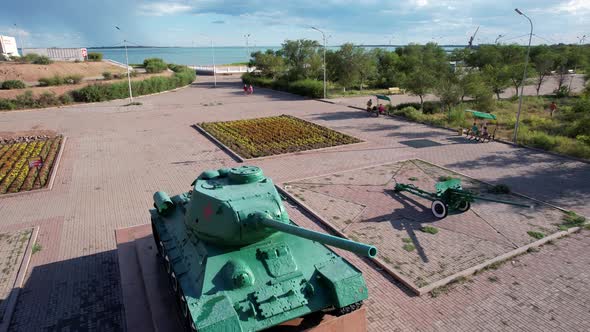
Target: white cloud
column 574, row 7
column 163, row 8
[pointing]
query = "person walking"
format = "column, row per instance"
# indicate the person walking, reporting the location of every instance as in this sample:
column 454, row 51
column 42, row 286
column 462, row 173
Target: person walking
column 552, row 108
column 245, row 89
column 250, row 89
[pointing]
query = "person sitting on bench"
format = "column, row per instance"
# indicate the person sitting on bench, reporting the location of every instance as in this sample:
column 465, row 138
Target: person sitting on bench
column 474, row 130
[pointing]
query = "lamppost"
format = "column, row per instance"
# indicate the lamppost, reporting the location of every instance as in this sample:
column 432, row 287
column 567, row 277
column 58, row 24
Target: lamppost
column 20, row 36
column 247, row 46
column 324, row 37
column 128, row 72
column 498, row 38
column 213, row 54
column 526, row 62
column 581, row 40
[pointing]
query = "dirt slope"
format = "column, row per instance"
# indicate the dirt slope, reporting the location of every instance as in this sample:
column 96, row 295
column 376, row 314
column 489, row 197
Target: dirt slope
column 32, row 73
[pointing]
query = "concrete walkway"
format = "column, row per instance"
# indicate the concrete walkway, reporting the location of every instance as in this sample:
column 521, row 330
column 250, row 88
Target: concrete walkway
column 117, row 156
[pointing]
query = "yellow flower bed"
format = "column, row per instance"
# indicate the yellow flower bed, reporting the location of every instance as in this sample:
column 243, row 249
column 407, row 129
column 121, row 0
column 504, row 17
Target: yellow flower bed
column 15, row 173
column 274, row 135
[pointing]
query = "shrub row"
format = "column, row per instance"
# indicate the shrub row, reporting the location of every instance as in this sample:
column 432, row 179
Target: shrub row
column 94, row 56
column 60, row 80
column 104, row 92
column 13, row 84
column 308, row 87
column 33, row 58
column 154, row 65
column 101, row 92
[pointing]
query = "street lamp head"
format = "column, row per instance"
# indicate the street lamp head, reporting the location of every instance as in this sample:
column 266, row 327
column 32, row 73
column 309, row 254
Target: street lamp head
column 117, row 27
column 518, row 11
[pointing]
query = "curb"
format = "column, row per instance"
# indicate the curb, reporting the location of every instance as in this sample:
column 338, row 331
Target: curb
column 52, row 175
column 19, row 281
column 231, row 152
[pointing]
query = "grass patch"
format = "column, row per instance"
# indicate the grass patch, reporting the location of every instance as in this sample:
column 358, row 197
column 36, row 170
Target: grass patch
column 36, row 248
column 493, row 279
column 269, row 136
column 429, row 229
column 571, row 219
column 536, row 235
column 407, row 240
column 444, row 178
column 413, row 178
column 387, row 260
column 448, row 287
column 409, row 247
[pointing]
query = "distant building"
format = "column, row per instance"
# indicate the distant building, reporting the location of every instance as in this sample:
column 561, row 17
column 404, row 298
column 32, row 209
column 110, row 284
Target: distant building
column 8, row 46
column 59, row 54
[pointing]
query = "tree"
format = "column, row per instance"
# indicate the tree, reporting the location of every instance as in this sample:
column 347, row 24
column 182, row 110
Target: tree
column 269, row 63
column 387, row 62
column 302, row 58
column 544, row 64
column 420, row 66
column 347, row 64
column 496, row 78
column 470, row 82
column 515, row 72
column 448, row 90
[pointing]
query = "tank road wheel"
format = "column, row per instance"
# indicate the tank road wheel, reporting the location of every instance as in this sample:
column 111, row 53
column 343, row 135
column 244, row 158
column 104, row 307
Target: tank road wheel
column 463, row 206
column 167, row 264
column 439, row 209
column 348, row 309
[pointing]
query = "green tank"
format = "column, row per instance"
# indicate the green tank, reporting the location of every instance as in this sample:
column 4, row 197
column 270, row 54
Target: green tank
column 236, row 262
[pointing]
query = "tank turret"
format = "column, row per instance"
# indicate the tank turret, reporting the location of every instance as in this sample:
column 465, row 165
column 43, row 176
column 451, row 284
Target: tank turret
column 230, row 248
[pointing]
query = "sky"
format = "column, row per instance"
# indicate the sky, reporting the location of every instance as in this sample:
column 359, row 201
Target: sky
column 76, row 23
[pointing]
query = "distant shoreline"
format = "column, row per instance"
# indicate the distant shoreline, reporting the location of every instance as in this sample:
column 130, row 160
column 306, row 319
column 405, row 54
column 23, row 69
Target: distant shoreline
column 272, row 46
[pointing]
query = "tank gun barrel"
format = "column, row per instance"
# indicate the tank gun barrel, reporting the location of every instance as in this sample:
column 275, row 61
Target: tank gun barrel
column 338, row 242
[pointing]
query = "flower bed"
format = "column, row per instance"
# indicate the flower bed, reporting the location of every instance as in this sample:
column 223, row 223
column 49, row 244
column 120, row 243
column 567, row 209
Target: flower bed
column 274, row 135
column 15, row 173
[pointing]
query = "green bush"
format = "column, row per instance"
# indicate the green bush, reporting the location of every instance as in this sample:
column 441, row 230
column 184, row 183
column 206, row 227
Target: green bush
column 6, row 104
column 47, row 99
column 308, row 87
column 26, row 100
column 73, row 79
column 42, row 60
column 13, row 84
column 119, row 90
column 582, row 106
column 66, row 98
column 29, row 58
column 404, row 105
column 52, row 81
column 94, row 56
column 107, row 75
column 431, row 107
column 154, row 65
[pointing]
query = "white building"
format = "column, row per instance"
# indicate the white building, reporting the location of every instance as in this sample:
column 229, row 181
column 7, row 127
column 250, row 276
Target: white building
column 8, row 46
column 59, row 54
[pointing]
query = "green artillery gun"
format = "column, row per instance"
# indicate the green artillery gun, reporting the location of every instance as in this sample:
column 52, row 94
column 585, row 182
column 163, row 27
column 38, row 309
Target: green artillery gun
column 236, row 262
column 449, row 195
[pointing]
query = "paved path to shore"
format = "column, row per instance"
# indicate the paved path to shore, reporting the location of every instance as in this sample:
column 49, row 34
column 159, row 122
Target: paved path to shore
column 116, row 157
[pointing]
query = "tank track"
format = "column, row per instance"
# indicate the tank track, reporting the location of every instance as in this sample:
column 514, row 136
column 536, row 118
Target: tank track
column 181, row 302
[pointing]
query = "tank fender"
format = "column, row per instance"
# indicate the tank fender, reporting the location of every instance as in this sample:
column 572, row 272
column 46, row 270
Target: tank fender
column 346, row 283
column 216, row 313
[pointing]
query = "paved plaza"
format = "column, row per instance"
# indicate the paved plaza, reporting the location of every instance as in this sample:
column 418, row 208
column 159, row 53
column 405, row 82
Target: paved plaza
column 116, row 157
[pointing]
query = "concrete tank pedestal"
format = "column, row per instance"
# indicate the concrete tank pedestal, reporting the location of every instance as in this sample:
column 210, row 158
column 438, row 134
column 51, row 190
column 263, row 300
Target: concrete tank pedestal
column 150, row 305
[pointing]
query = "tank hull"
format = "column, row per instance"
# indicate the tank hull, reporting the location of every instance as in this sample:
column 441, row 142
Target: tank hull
column 252, row 287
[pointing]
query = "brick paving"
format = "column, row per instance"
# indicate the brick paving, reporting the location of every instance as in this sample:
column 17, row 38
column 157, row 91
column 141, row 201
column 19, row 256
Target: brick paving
column 116, row 157
column 12, row 251
column 362, row 205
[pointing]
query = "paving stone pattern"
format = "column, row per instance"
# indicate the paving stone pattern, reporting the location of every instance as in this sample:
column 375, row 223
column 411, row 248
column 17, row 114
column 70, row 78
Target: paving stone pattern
column 362, row 204
column 12, row 251
column 116, row 157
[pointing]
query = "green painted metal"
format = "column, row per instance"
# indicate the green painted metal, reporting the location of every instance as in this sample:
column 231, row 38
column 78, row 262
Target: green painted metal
column 482, row 115
column 241, row 264
column 383, row 97
column 450, row 195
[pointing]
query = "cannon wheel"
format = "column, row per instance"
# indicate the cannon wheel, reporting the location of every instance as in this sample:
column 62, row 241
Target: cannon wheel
column 439, row 209
column 463, row 206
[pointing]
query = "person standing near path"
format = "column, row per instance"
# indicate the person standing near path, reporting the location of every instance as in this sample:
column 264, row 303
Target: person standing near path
column 250, row 89
column 245, row 89
column 552, row 108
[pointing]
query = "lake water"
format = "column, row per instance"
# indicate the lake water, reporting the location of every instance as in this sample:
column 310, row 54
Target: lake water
column 192, row 55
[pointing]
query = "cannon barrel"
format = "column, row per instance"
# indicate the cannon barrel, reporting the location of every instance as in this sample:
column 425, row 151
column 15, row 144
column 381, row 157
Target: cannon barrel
column 338, row 242
column 477, row 197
